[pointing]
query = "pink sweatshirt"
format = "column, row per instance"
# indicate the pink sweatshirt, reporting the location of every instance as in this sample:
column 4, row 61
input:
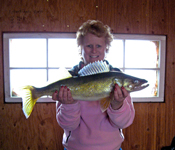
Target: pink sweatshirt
column 87, row 128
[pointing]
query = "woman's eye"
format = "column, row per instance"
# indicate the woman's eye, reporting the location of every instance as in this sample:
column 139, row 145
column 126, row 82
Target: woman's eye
column 98, row 46
column 89, row 46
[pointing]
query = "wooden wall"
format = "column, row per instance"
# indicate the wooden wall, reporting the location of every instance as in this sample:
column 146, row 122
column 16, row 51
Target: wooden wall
column 154, row 124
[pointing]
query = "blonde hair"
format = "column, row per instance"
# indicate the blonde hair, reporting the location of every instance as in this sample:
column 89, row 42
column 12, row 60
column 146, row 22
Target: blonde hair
column 97, row 28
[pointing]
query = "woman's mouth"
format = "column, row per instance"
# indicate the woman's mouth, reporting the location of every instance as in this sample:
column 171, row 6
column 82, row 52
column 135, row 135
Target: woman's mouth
column 94, row 56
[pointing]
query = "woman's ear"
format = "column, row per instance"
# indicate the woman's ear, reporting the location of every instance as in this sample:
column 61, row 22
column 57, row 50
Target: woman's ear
column 107, row 49
column 80, row 50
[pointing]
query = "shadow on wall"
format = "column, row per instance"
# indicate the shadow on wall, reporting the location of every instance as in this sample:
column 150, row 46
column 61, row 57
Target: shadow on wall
column 171, row 147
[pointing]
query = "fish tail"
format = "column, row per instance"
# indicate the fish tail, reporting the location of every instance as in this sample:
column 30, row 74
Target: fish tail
column 29, row 99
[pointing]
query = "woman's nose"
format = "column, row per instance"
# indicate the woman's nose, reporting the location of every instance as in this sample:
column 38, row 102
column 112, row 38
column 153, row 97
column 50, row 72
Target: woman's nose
column 94, row 49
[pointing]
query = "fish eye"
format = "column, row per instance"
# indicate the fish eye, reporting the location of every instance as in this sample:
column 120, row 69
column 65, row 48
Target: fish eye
column 136, row 82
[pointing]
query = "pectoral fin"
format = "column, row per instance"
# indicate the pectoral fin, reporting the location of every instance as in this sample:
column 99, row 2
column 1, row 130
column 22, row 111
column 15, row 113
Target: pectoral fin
column 105, row 103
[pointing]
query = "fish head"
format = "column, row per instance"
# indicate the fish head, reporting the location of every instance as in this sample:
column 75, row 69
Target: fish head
column 135, row 84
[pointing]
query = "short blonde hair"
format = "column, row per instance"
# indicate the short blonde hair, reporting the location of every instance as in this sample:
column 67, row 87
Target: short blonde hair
column 97, row 28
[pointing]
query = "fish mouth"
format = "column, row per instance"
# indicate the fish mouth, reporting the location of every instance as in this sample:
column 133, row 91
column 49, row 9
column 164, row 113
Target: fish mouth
column 141, row 86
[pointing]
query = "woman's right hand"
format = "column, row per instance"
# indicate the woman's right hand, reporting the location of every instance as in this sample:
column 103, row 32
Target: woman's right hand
column 64, row 96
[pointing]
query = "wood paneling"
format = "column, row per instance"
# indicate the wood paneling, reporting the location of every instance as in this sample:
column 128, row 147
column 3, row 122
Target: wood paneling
column 154, row 124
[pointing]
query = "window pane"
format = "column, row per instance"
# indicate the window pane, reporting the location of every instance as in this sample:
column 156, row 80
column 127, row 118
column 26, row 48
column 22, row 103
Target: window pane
column 115, row 55
column 151, row 77
column 63, row 53
column 140, row 54
column 53, row 75
column 27, row 52
column 22, row 77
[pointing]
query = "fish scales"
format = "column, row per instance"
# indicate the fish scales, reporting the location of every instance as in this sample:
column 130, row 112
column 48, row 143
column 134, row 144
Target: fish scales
column 91, row 87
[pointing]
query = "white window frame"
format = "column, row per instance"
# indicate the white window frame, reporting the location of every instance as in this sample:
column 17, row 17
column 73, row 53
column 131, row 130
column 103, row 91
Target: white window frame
column 162, row 51
column 162, row 54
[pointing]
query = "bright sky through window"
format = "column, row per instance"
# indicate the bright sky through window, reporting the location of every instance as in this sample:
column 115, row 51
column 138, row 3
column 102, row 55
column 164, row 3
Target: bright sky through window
column 27, row 53
column 61, row 54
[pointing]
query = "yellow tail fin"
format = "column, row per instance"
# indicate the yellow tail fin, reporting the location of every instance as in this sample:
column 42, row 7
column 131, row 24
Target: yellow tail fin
column 28, row 100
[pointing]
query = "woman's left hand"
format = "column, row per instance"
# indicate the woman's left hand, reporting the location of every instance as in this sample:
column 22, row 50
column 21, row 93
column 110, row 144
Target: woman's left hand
column 118, row 95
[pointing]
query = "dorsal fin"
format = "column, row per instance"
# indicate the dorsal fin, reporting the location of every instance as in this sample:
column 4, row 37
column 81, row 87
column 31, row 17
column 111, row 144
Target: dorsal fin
column 94, row 68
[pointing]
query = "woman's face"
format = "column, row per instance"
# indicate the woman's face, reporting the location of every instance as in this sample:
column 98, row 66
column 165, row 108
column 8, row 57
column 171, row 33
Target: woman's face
column 93, row 49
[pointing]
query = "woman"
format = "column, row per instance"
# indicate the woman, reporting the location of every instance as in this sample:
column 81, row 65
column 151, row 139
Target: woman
column 85, row 126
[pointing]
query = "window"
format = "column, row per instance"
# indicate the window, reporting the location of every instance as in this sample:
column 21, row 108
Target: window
column 35, row 58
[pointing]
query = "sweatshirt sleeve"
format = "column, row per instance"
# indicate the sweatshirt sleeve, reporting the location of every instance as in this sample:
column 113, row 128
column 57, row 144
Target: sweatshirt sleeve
column 68, row 115
column 124, row 116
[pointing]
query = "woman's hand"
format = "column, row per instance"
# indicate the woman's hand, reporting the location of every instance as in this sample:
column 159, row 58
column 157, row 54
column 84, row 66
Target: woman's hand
column 63, row 96
column 118, row 96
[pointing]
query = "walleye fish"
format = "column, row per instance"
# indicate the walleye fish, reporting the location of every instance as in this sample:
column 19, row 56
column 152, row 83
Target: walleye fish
column 95, row 82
